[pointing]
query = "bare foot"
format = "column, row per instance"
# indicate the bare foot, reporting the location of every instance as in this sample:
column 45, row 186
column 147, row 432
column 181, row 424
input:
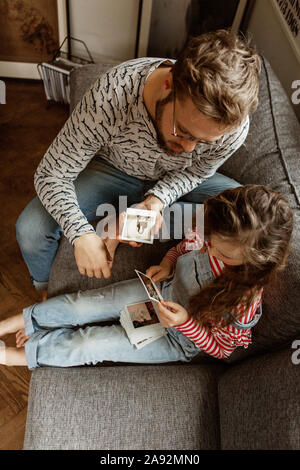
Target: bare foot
column 2, row 352
column 15, row 357
column 12, row 324
column 21, row 338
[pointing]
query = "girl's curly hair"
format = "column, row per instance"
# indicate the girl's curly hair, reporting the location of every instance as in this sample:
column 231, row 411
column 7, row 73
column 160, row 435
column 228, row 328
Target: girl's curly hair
column 260, row 221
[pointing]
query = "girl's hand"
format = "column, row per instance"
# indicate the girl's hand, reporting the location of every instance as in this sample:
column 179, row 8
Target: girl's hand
column 174, row 315
column 161, row 272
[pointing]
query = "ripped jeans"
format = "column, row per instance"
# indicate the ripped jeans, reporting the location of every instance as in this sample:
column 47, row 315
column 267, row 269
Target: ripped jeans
column 61, row 334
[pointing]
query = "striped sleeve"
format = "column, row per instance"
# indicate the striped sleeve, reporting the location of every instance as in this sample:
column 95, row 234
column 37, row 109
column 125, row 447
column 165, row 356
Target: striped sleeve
column 219, row 342
column 89, row 127
column 192, row 242
column 213, row 345
column 176, row 251
column 246, row 315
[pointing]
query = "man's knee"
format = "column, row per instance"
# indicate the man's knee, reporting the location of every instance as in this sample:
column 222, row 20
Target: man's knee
column 25, row 233
column 33, row 225
column 210, row 187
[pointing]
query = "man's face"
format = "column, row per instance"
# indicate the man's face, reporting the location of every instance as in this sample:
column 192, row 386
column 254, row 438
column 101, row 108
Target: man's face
column 189, row 123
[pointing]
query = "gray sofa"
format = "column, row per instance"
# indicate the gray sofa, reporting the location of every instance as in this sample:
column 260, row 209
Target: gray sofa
column 248, row 401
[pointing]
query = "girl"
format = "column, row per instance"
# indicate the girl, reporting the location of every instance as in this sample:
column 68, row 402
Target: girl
column 214, row 293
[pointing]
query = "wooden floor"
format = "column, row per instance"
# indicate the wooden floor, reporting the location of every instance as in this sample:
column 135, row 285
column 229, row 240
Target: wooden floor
column 28, row 124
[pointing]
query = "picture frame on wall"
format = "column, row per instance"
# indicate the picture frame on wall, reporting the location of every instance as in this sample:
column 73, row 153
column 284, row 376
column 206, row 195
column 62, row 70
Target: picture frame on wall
column 32, row 36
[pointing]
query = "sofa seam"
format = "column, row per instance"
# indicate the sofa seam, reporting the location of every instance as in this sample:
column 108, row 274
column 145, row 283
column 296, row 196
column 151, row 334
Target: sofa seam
column 276, row 135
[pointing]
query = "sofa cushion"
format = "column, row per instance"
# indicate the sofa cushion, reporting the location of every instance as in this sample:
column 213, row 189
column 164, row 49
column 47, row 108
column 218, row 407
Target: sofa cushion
column 259, row 403
column 124, row 408
column 270, row 156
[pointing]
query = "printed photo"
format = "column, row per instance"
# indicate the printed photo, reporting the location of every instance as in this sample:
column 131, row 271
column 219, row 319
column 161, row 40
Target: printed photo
column 138, row 225
column 150, row 287
column 142, row 314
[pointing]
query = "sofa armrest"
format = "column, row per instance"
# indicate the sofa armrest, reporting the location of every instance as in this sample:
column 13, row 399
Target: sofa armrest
column 259, row 402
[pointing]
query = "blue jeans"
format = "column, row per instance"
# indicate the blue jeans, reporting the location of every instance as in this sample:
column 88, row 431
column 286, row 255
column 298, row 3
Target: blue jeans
column 60, row 336
column 38, row 234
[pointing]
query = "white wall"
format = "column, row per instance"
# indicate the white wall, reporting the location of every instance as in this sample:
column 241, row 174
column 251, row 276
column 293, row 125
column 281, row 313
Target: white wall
column 271, row 39
column 108, row 27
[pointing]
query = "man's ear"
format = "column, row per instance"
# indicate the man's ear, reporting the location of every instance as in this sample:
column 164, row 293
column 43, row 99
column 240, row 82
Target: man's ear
column 168, row 82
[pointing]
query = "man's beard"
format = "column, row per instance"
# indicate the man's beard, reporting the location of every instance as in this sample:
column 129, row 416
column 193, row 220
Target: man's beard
column 159, row 107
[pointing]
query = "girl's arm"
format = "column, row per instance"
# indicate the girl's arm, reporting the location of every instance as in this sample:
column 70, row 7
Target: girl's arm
column 172, row 314
column 245, row 315
column 167, row 265
column 218, row 342
column 207, row 341
column 185, row 246
column 221, row 342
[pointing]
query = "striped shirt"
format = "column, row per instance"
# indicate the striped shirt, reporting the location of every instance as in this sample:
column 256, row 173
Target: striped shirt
column 111, row 120
column 218, row 342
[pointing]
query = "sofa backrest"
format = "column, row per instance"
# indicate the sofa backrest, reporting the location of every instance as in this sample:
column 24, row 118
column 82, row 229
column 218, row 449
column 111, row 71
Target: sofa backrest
column 81, row 78
column 271, row 157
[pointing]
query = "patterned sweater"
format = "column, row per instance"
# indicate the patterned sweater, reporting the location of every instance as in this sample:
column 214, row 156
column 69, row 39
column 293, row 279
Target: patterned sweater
column 218, row 342
column 111, row 120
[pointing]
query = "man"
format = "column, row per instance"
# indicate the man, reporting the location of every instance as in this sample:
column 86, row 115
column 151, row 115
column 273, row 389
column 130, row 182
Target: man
column 155, row 130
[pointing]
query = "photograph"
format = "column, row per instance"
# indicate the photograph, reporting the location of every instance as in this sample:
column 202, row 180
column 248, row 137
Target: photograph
column 138, row 225
column 150, row 287
column 142, row 314
column 159, row 137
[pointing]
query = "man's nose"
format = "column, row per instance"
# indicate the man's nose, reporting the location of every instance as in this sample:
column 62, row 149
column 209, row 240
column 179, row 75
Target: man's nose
column 187, row 145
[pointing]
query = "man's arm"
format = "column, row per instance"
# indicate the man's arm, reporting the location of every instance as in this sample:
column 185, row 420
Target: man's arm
column 176, row 184
column 88, row 128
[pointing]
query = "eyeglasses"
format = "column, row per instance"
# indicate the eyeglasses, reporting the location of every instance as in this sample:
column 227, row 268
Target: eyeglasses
column 213, row 145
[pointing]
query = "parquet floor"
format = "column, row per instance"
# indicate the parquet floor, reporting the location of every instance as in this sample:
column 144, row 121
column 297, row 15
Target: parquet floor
column 28, row 124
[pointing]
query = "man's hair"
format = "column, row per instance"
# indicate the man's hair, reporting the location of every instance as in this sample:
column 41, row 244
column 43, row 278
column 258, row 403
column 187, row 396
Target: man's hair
column 219, row 71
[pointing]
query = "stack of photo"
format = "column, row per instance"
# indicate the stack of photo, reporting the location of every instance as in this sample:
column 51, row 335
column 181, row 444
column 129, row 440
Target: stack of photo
column 141, row 323
column 140, row 320
column 55, row 77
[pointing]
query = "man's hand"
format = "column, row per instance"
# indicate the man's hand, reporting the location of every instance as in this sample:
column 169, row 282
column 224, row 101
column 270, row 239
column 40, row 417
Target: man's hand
column 161, row 272
column 153, row 203
column 92, row 256
column 174, row 315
